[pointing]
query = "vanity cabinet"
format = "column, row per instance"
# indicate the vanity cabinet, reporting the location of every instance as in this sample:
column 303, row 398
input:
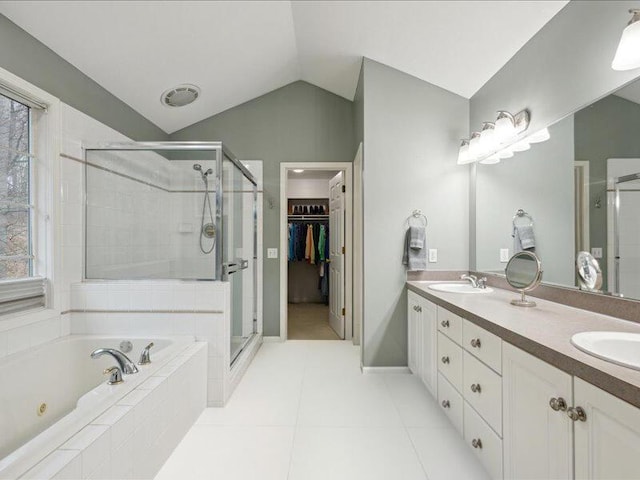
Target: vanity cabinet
column 421, row 341
column 542, row 441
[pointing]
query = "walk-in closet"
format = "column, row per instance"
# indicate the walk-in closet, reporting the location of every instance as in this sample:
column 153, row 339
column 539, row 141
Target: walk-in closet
column 314, row 216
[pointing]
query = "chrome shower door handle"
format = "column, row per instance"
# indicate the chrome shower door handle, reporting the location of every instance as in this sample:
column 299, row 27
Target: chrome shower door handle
column 235, row 265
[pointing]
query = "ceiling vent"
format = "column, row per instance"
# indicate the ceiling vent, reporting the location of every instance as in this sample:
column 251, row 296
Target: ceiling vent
column 180, row 96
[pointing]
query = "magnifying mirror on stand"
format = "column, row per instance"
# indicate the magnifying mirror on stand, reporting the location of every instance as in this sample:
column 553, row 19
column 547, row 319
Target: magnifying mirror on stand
column 589, row 273
column 524, row 273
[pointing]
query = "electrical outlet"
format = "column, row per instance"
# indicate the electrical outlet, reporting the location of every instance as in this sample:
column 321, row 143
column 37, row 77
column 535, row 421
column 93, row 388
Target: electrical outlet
column 272, row 253
column 433, row 255
column 504, row 255
column 596, row 252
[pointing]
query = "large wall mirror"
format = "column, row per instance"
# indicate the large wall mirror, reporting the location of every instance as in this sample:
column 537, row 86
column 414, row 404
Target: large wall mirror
column 579, row 191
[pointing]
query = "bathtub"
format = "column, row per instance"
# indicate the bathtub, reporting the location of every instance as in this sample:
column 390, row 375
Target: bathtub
column 49, row 393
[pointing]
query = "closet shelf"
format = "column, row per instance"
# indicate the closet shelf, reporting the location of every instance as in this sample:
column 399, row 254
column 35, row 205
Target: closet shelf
column 309, row 217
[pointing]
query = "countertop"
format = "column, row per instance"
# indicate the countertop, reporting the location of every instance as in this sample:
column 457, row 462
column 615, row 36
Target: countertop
column 544, row 331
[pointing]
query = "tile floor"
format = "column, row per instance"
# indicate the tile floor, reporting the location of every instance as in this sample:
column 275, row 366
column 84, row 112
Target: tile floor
column 303, row 411
column 309, row 321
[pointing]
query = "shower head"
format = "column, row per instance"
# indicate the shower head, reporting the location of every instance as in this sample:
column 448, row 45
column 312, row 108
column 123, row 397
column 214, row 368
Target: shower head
column 197, row 167
column 208, row 172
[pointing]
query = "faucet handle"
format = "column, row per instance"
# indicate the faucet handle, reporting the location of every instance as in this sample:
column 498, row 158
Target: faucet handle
column 116, row 375
column 482, row 282
column 145, row 356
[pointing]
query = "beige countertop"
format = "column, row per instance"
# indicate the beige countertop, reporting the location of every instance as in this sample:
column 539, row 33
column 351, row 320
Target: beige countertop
column 545, row 331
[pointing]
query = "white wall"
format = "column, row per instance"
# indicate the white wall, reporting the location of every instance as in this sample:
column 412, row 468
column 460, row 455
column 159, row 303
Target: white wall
column 411, row 137
column 307, row 188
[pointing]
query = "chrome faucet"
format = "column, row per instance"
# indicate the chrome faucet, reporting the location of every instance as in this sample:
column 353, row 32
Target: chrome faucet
column 145, row 357
column 482, row 283
column 472, row 278
column 125, row 364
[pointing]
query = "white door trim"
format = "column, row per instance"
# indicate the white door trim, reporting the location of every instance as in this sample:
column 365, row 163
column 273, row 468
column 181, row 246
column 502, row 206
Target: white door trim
column 347, row 168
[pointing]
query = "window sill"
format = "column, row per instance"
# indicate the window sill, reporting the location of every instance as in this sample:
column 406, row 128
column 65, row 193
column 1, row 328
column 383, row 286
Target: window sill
column 26, row 317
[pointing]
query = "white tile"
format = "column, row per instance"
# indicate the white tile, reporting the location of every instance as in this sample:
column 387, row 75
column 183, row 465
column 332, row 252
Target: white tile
column 3, row 344
column 184, row 324
column 350, row 399
column 72, row 471
column 78, row 323
column 120, row 419
column 18, row 339
column 354, row 453
column 444, row 454
column 65, row 324
column 415, row 404
column 45, row 331
column 184, row 297
column 134, row 398
column 151, row 383
column 232, row 453
column 94, row 441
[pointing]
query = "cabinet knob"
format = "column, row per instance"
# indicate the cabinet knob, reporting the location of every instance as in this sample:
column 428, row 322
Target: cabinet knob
column 445, row 323
column 445, row 404
column 476, row 443
column 445, row 359
column 419, row 309
column 475, row 343
column 577, row 414
column 558, row 404
column 415, row 308
column 475, row 388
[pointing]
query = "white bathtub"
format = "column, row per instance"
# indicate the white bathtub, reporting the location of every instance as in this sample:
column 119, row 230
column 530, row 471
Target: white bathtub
column 62, row 375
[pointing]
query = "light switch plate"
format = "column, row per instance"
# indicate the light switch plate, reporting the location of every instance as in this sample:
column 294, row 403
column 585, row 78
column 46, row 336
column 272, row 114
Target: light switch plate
column 504, row 255
column 272, row 253
column 596, row 252
column 433, row 255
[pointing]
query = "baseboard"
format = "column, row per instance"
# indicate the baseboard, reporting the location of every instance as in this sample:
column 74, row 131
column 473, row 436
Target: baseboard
column 386, row 370
column 274, row 339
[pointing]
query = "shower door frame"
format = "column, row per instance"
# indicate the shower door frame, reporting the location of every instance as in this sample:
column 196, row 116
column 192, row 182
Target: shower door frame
column 616, row 226
column 219, row 273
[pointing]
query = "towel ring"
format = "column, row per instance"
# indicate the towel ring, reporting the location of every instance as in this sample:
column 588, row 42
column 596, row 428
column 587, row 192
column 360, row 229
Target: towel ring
column 417, row 214
column 522, row 214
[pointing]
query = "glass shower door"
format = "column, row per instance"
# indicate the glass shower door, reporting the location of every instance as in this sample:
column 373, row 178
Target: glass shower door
column 239, row 253
column 627, row 236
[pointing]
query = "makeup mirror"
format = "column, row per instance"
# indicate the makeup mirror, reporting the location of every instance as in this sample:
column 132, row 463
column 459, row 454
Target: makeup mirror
column 524, row 273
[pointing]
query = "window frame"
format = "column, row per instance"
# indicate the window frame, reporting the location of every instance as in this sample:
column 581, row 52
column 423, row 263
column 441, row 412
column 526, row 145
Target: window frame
column 44, row 197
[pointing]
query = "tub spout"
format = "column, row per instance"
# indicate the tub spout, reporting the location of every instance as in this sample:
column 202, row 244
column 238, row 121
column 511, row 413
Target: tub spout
column 125, row 364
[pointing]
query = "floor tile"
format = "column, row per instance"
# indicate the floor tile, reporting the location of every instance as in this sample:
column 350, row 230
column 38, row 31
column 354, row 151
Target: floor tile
column 231, row 453
column 354, row 453
column 445, row 456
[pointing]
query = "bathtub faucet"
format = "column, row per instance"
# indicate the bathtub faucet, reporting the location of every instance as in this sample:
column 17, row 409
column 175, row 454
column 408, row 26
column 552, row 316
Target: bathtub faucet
column 126, row 365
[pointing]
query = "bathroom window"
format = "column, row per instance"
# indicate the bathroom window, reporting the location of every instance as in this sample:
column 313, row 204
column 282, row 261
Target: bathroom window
column 22, row 264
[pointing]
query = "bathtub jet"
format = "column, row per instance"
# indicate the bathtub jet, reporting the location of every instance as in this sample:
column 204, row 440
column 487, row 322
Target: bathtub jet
column 126, row 365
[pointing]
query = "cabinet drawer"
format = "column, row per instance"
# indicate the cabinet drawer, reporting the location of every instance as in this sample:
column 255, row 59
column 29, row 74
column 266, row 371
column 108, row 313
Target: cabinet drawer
column 482, row 388
column 451, row 402
column 483, row 441
column 482, row 344
column 450, row 324
column 450, row 361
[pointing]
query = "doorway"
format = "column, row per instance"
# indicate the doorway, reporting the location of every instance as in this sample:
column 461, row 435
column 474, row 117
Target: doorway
column 315, row 260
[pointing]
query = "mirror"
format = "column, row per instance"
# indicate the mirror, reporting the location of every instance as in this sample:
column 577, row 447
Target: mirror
column 581, row 191
column 524, row 273
column 589, row 273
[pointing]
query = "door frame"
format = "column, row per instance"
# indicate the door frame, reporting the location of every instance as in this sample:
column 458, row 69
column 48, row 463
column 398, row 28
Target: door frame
column 347, row 168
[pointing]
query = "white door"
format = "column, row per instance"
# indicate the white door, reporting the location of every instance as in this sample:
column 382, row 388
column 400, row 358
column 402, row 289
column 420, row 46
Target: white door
column 537, row 439
column 607, row 443
column 336, row 249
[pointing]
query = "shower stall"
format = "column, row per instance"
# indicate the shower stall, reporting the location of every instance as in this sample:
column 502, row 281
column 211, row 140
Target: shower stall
column 626, row 236
column 178, row 211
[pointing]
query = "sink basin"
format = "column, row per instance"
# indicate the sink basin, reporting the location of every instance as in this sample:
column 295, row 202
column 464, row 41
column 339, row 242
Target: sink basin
column 458, row 288
column 617, row 347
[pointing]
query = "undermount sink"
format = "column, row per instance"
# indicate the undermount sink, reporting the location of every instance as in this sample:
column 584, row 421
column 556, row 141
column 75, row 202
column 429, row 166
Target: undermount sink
column 621, row 348
column 458, row 288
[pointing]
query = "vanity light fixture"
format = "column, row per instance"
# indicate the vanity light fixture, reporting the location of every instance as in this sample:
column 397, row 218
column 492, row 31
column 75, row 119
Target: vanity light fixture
column 505, row 153
column 297, row 170
column 539, row 136
column 488, row 141
column 521, row 146
column 505, row 126
column 628, row 53
column 491, row 159
column 475, row 150
column 463, row 153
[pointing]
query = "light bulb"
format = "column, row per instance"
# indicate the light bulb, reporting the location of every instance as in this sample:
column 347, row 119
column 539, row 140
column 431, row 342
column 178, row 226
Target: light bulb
column 488, row 141
column 520, row 146
column 475, row 150
column 297, row 170
column 540, row 136
column 505, row 127
column 628, row 52
column 463, row 153
column 505, row 153
column 491, row 160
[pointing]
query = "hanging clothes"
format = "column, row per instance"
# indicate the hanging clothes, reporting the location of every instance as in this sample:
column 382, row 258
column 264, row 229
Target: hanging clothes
column 322, row 238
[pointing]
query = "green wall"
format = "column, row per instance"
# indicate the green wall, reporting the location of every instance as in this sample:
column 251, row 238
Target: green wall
column 26, row 57
column 296, row 123
column 606, row 129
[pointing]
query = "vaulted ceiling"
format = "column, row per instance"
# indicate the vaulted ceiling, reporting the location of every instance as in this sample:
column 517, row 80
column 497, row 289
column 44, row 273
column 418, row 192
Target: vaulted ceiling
column 235, row 51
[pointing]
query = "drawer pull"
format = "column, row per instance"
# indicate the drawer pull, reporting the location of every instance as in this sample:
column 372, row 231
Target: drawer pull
column 415, row 308
column 445, row 359
column 418, row 309
column 475, row 388
column 475, row 343
column 476, row 443
column 445, row 404
column 558, row 404
column 577, row 413
column 445, row 323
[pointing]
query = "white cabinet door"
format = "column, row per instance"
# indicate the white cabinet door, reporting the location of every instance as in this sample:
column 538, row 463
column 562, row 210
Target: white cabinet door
column 414, row 333
column 607, row 443
column 429, row 369
column 536, row 439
